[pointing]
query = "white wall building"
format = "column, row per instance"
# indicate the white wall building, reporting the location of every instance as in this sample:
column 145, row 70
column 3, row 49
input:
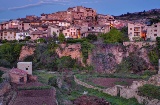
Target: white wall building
column 22, row 35
column 135, row 31
column 26, row 66
column 153, row 32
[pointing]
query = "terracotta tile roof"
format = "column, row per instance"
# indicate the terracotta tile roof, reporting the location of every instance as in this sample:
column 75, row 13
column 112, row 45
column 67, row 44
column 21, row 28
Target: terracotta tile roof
column 18, row 71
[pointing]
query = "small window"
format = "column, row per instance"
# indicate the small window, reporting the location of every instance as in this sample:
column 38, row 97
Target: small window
column 155, row 34
column 26, row 68
column 155, row 26
column 130, row 28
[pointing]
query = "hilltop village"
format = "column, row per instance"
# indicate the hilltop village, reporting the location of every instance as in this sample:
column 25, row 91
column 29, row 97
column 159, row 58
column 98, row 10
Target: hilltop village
column 80, row 57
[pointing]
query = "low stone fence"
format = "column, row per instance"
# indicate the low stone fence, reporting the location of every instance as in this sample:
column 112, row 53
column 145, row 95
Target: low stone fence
column 140, row 44
column 4, row 87
column 124, row 91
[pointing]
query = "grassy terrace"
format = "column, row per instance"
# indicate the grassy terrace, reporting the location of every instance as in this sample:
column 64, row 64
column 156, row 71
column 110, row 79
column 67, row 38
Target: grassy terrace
column 70, row 91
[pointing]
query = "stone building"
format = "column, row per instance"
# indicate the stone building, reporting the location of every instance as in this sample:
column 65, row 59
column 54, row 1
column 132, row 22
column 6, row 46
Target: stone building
column 18, row 76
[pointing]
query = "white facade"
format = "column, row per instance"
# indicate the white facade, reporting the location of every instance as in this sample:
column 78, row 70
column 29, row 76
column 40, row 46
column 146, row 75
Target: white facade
column 134, row 30
column 21, row 35
column 53, row 29
column 153, row 32
column 26, row 66
column 64, row 24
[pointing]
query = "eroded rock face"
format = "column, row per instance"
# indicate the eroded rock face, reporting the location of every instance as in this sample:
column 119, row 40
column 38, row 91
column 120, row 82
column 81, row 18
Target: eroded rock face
column 72, row 50
column 26, row 51
column 105, row 57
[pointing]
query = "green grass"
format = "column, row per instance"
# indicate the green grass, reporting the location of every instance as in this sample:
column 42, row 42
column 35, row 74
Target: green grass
column 76, row 91
column 123, row 83
column 43, row 76
column 150, row 91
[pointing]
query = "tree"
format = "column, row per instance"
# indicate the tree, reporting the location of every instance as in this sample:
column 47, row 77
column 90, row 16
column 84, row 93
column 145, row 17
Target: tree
column 65, row 62
column 114, row 36
column 61, row 38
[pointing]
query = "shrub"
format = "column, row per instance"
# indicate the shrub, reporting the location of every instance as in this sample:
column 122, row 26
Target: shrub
column 75, row 40
column 114, row 36
column 52, row 81
column 9, row 53
column 61, row 38
column 150, row 91
column 134, row 63
column 153, row 57
column 65, row 62
column 86, row 47
column 92, row 37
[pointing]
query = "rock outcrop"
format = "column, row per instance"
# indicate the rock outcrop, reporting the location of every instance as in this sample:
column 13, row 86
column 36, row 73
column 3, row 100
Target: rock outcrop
column 26, row 51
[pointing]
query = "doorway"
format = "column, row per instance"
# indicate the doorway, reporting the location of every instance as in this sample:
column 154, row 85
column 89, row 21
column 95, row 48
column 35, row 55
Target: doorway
column 21, row 79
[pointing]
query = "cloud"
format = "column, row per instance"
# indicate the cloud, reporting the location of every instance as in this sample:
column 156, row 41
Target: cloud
column 42, row 2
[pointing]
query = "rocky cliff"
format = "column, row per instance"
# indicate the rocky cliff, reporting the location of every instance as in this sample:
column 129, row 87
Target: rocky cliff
column 26, row 50
column 105, row 57
column 72, row 50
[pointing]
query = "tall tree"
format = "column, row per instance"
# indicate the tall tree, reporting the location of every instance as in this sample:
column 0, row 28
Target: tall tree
column 61, row 38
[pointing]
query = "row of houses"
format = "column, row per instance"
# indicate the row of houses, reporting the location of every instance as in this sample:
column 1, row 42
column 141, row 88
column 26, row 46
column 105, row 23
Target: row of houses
column 137, row 30
column 75, row 22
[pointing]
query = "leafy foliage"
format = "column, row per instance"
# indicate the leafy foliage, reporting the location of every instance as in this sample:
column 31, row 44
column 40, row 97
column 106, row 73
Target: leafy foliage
column 150, row 91
column 86, row 47
column 45, row 56
column 114, row 36
column 61, row 38
column 1, row 73
column 41, row 40
column 134, row 63
column 153, row 57
column 91, row 37
column 65, row 62
column 9, row 53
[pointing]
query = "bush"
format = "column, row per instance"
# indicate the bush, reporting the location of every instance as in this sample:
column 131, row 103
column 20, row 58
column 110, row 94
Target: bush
column 9, row 53
column 91, row 37
column 52, row 81
column 134, row 63
column 75, row 40
column 65, row 62
column 86, row 47
column 114, row 36
column 153, row 57
column 150, row 91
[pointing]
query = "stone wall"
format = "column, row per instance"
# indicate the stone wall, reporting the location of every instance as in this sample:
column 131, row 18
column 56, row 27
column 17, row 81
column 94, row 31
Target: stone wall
column 139, row 44
column 128, row 91
column 4, row 88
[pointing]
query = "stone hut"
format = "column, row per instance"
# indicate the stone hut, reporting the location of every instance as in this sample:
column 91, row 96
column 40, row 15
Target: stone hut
column 18, row 76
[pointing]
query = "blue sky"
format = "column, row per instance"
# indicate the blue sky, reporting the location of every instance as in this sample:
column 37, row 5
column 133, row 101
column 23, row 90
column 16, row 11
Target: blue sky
column 12, row 9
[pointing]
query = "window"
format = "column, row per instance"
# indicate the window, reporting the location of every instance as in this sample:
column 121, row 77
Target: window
column 155, row 26
column 130, row 28
column 155, row 34
column 155, row 30
column 26, row 68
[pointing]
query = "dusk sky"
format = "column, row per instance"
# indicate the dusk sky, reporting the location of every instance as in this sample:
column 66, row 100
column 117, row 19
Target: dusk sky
column 12, row 9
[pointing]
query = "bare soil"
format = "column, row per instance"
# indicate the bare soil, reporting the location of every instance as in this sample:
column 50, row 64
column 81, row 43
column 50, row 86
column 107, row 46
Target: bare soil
column 35, row 97
column 90, row 100
column 110, row 82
